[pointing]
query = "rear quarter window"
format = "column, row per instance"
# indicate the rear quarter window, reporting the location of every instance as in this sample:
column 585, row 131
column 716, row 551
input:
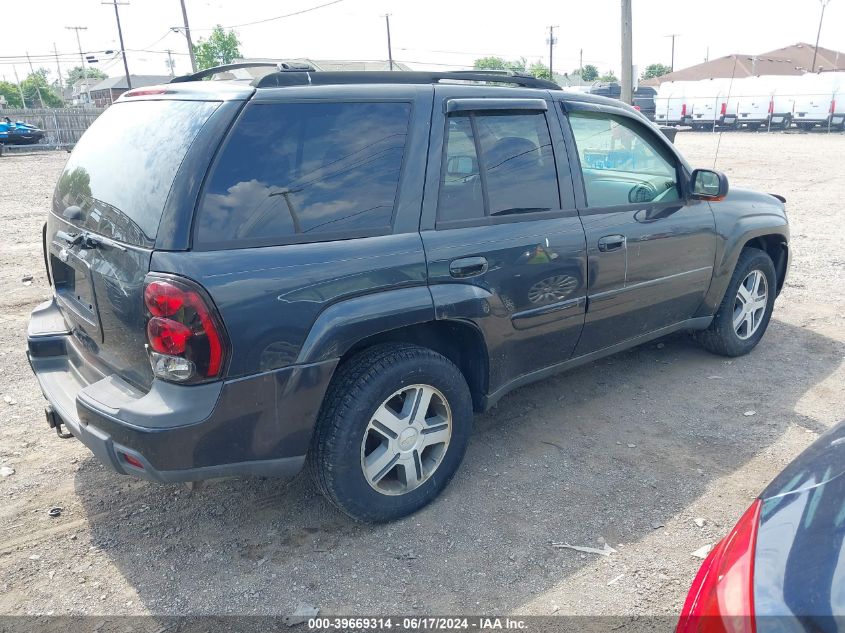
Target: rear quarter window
column 117, row 179
column 298, row 172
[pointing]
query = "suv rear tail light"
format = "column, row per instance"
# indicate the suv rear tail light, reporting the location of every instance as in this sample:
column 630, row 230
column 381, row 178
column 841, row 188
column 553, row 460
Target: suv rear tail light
column 684, row 110
column 771, row 106
column 833, row 106
column 724, row 109
column 186, row 338
column 721, row 599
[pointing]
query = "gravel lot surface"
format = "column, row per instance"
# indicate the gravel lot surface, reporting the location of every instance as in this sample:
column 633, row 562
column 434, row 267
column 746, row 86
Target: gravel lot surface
column 634, row 451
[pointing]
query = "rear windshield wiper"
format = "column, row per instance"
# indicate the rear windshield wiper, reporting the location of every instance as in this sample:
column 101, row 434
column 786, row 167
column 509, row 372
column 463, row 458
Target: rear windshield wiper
column 86, row 240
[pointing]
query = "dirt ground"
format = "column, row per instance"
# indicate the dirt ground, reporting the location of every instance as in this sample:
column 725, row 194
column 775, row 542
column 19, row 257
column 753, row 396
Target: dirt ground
column 630, row 451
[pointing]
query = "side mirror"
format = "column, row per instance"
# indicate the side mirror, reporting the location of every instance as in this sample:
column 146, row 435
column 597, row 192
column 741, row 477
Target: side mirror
column 708, row 184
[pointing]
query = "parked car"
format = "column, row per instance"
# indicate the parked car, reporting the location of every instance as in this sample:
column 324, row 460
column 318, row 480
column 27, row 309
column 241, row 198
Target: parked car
column 780, row 567
column 339, row 268
column 18, row 132
column 643, row 96
column 671, row 104
column 708, row 102
column 644, row 101
column 816, row 103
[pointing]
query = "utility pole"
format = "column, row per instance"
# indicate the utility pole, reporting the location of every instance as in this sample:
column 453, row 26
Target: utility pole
column 170, row 62
column 824, row 4
column 627, row 53
column 82, row 58
column 120, row 37
column 673, row 36
column 188, row 37
column 20, row 89
column 581, row 62
column 37, row 87
column 552, row 41
column 389, row 47
column 58, row 67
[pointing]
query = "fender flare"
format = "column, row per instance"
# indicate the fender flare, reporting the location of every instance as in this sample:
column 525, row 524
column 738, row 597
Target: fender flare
column 727, row 254
column 343, row 324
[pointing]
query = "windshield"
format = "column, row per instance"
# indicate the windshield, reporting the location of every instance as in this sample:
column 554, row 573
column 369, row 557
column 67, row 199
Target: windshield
column 118, row 177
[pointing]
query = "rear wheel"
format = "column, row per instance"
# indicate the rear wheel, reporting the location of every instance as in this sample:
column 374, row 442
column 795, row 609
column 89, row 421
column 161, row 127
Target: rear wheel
column 392, row 431
column 743, row 316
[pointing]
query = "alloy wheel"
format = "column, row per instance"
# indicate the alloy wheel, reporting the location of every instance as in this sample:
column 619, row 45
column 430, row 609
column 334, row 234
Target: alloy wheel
column 750, row 304
column 406, row 439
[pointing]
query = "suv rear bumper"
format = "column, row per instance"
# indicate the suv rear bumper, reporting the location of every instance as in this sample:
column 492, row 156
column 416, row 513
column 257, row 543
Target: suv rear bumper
column 257, row 425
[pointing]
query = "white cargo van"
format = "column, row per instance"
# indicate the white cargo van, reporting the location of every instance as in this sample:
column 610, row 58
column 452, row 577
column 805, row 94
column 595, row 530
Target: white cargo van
column 753, row 97
column 670, row 104
column 815, row 101
column 708, row 103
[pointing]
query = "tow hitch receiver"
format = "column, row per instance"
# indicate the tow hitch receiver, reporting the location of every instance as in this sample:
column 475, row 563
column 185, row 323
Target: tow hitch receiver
column 56, row 423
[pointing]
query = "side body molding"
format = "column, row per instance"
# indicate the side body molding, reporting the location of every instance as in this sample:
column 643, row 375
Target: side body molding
column 343, row 324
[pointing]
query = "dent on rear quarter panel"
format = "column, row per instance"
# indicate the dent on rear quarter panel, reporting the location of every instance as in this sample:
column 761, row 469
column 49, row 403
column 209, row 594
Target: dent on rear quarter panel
column 270, row 297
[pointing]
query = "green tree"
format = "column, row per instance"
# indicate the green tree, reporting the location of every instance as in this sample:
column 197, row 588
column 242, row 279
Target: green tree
column 499, row 63
column 221, row 47
column 655, row 70
column 608, row 77
column 74, row 187
column 78, row 72
column 10, row 91
column 588, row 72
column 540, row 70
column 38, row 93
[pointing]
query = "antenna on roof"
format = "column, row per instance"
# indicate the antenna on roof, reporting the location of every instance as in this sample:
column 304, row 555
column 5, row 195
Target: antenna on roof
column 727, row 100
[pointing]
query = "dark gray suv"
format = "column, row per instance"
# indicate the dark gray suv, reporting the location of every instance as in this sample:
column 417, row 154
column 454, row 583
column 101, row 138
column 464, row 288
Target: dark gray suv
column 339, row 268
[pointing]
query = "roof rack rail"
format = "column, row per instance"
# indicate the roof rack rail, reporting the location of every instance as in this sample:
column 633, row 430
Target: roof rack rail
column 295, row 77
column 279, row 66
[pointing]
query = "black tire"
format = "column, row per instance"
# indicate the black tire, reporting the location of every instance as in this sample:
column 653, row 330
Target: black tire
column 359, row 387
column 721, row 337
column 786, row 123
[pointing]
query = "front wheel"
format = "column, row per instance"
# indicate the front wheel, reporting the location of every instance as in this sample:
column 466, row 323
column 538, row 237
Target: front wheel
column 743, row 316
column 393, row 430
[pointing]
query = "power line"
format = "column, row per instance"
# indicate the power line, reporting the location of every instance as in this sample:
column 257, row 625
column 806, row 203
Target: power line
column 278, row 17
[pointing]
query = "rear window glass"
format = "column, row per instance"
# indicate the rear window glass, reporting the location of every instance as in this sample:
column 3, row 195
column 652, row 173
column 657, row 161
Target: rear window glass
column 118, row 177
column 293, row 172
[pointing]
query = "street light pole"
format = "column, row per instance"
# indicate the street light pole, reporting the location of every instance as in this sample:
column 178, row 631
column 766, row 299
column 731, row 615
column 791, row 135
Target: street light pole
column 824, row 4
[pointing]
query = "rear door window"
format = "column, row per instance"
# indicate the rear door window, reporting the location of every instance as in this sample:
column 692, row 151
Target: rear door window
column 497, row 164
column 119, row 175
column 295, row 172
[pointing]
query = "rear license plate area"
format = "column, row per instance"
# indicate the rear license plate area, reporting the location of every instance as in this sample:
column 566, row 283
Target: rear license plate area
column 73, row 286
